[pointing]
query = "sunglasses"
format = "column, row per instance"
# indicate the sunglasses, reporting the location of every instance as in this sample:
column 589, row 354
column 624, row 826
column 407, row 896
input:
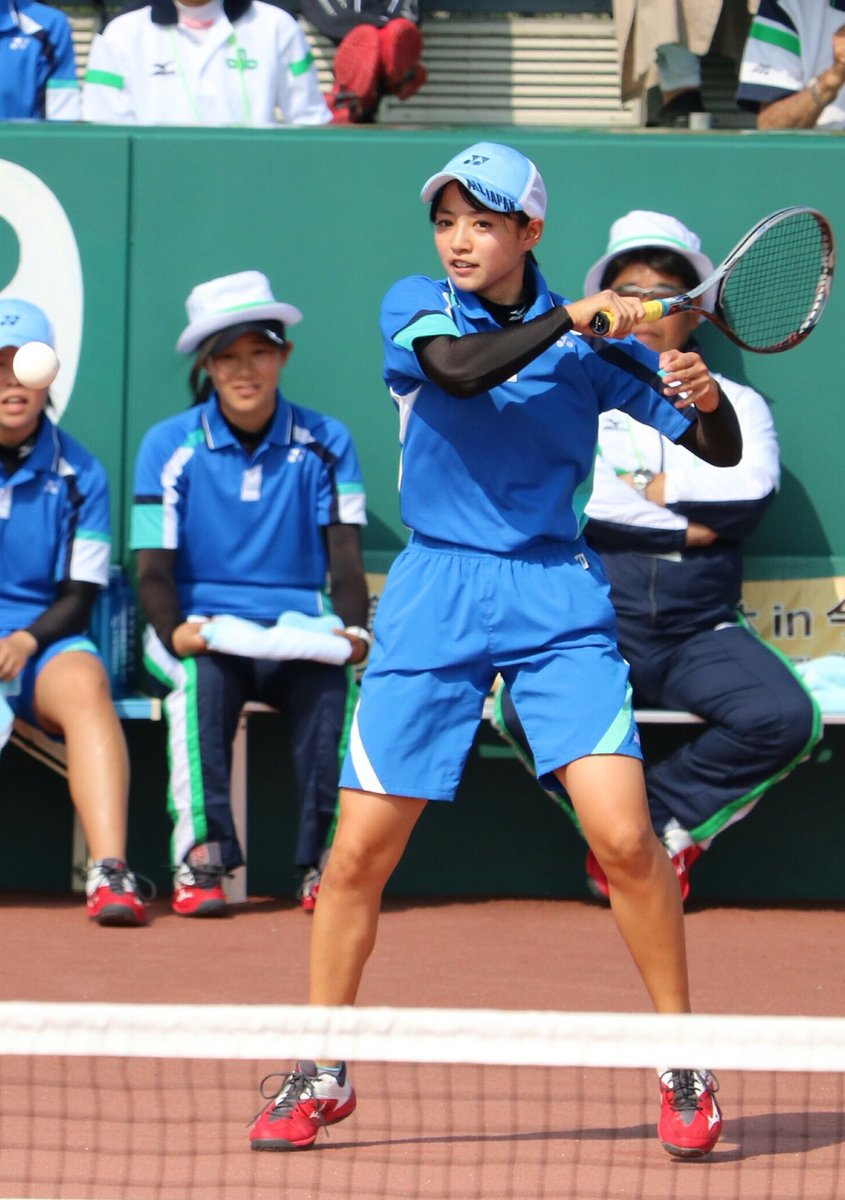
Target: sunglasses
column 659, row 291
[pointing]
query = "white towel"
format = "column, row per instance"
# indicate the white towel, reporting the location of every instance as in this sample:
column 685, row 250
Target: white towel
column 294, row 637
column 8, row 687
column 825, row 677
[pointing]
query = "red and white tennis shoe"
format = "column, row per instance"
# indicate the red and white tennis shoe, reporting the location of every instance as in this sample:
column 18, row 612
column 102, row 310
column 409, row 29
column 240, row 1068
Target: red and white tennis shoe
column 112, row 894
column 310, row 1099
column 682, row 861
column 198, row 883
column 309, row 889
column 690, row 1119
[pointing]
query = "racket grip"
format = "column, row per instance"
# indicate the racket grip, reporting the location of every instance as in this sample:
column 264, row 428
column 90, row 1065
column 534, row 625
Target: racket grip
column 603, row 322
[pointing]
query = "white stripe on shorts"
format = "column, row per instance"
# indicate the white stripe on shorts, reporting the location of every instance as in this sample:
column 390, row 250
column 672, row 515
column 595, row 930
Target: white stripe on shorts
column 367, row 777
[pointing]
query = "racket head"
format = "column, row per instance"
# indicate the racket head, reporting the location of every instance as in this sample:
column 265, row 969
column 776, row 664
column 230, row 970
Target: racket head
column 776, row 281
column 771, row 289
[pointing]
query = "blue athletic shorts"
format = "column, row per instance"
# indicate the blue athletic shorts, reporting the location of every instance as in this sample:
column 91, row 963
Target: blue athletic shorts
column 22, row 704
column 450, row 619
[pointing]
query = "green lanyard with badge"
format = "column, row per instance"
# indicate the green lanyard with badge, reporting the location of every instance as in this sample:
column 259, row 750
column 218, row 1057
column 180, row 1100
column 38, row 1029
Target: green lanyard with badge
column 241, row 62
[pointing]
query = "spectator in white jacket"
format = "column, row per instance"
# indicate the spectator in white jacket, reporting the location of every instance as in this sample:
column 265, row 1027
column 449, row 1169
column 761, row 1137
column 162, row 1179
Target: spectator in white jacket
column 203, row 62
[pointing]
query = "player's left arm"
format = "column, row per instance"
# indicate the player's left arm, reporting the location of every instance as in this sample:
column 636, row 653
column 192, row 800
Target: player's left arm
column 715, row 436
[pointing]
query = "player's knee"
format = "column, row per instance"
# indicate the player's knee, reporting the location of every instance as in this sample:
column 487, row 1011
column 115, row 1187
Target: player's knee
column 355, row 865
column 626, row 852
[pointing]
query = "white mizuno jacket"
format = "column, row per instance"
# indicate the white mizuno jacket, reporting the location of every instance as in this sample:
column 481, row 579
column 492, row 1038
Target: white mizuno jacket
column 654, row 576
column 253, row 67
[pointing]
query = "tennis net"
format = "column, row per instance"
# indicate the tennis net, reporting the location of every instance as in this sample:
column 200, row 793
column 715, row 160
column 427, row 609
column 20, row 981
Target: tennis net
column 152, row 1102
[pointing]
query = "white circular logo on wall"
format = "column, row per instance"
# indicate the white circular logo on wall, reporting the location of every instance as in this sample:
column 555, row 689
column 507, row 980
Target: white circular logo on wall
column 49, row 271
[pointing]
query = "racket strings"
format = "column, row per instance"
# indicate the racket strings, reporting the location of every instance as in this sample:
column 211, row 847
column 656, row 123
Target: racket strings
column 775, row 292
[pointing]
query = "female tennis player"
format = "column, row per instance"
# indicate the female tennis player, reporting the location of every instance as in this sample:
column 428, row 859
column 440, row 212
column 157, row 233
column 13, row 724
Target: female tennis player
column 499, row 399
column 54, row 558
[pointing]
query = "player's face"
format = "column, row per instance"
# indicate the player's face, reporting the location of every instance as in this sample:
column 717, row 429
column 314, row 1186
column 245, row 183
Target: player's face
column 482, row 251
column 671, row 333
column 20, row 407
column 245, row 376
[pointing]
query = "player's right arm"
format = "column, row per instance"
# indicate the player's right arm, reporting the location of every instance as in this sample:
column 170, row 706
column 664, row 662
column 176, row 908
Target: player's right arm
column 466, row 366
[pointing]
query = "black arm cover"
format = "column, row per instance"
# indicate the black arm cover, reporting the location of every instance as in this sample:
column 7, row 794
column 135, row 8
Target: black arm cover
column 69, row 614
column 715, row 436
column 350, row 596
column 467, row 366
column 157, row 592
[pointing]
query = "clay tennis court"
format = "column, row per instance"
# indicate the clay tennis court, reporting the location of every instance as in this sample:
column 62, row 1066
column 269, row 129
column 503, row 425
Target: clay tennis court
column 563, row 1133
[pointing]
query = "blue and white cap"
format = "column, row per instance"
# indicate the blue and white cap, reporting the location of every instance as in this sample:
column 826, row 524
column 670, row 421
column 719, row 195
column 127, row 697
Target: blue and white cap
column 22, row 322
column 499, row 176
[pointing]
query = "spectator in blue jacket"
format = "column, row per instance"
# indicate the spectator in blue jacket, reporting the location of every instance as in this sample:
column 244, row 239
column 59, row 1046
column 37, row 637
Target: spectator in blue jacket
column 37, row 65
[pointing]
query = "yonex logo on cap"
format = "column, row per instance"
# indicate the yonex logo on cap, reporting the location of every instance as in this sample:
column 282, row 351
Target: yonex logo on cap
column 9, row 319
column 476, row 160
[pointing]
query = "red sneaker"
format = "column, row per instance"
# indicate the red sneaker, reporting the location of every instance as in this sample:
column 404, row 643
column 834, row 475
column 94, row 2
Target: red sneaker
column 309, row 1099
column 412, row 84
column 309, row 889
column 357, row 65
column 690, row 1119
column 682, row 861
column 401, row 46
column 596, row 878
column 112, row 894
column 198, row 884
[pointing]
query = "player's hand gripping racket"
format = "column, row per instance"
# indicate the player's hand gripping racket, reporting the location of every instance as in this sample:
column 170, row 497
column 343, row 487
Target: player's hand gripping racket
column 773, row 285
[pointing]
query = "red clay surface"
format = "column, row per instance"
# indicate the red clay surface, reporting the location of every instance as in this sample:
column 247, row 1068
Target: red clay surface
column 569, row 1134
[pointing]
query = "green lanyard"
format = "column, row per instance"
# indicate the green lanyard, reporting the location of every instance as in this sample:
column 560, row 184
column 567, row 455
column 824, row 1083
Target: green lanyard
column 240, row 61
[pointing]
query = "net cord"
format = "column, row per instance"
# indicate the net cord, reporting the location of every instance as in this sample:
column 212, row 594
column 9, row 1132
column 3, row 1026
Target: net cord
column 281, row 1032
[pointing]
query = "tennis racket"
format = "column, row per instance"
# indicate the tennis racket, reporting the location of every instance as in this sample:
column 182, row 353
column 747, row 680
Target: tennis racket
column 772, row 287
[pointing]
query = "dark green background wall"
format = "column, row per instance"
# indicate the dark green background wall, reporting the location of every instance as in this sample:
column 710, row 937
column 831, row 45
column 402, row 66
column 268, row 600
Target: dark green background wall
column 333, row 217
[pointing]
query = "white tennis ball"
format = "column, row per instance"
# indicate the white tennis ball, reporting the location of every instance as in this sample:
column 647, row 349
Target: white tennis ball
column 35, row 365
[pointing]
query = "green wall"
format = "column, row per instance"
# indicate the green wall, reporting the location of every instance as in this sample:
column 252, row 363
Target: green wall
column 333, row 217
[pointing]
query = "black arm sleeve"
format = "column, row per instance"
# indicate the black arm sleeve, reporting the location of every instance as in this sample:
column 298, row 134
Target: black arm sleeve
column 715, row 436
column 467, row 366
column 157, row 592
column 69, row 614
column 350, row 597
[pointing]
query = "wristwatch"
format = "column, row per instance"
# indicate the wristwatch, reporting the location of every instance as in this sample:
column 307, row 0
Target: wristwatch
column 363, row 635
column 642, row 477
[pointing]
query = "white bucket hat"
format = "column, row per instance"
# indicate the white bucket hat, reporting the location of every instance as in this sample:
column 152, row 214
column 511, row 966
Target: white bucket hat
column 231, row 300
column 639, row 230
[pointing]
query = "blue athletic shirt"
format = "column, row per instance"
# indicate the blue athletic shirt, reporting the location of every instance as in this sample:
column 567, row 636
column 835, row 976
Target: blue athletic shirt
column 246, row 528
column 512, row 467
column 37, row 63
column 54, row 526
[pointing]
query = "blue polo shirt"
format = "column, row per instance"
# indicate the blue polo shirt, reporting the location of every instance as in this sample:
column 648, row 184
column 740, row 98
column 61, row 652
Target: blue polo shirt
column 37, row 63
column 246, row 528
column 54, row 526
column 512, row 467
